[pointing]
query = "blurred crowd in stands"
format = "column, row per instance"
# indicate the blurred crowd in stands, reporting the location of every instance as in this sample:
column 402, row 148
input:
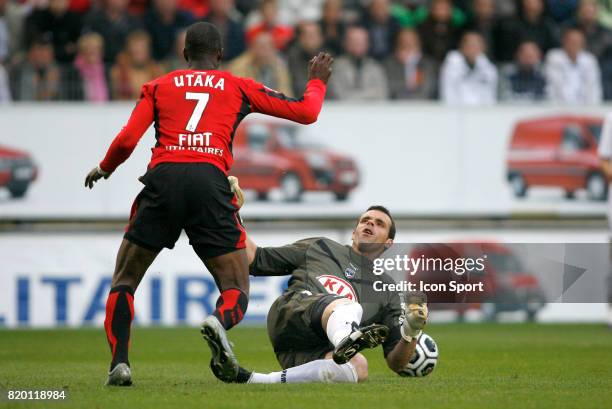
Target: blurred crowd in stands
column 462, row 52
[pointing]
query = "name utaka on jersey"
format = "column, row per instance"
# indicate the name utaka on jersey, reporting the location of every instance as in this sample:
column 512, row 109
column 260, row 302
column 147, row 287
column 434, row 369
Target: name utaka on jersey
column 196, row 113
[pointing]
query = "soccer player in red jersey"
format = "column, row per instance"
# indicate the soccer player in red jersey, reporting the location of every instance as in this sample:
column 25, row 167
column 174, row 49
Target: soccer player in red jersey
column 195, row 113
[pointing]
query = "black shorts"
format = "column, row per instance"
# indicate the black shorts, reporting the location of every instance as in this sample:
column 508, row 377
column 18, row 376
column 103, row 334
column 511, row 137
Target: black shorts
column 195, row 197
column 295, row 328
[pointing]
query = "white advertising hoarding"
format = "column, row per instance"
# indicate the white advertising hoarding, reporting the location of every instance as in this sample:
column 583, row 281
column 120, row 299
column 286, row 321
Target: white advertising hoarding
column 417, row 159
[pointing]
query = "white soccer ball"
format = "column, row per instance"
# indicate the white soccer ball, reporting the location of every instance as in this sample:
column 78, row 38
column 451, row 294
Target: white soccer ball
column 424, row 359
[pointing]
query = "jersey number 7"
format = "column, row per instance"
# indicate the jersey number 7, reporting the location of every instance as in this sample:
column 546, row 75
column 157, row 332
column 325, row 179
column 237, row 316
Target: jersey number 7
column 196, row 115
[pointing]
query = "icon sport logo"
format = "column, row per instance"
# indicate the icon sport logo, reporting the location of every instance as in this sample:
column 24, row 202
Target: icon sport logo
column 338, row 286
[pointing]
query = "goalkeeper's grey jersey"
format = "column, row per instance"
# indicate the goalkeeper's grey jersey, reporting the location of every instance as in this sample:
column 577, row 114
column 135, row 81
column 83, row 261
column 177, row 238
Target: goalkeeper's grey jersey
column 321, row 265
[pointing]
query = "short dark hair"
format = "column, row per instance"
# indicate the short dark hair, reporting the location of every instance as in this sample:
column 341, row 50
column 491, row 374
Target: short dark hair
column 202, row 39
column 388, row 213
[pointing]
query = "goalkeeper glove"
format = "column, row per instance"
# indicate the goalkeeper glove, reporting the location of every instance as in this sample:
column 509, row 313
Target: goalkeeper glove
column 235, row 187
column 415, row 319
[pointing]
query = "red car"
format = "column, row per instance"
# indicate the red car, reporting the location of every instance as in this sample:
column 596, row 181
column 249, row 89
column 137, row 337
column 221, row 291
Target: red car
column 17, row 171
column 272, row 155
column 506, row 284
column 559, row 152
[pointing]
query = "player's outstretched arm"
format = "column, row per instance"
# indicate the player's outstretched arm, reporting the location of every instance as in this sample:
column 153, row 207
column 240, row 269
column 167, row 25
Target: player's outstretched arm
column 415, row 318
column 125, row 142
column 304, row 110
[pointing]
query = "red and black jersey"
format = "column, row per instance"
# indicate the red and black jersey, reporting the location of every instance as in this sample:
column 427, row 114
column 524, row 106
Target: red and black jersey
column 196, row 113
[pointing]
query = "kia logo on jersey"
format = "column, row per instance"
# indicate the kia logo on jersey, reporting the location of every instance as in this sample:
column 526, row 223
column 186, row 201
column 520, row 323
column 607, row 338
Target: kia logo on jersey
column 336, row 285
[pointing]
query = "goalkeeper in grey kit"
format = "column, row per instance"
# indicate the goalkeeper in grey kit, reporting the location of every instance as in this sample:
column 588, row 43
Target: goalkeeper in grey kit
column 329, row 312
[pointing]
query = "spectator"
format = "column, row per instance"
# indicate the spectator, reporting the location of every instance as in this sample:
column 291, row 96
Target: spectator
column 5, row 91
column 281, row 34
column 221, row 15
column 332, row 26
column 63, row 26
column 263, row 63
column 467, row 76
column 562, row 11
column 37, row 78
column 598, row 38
column 357, row 76
column 89, row 64
column 524, row 80
column 410, row 75
column 11, row 28
column 114, row 24
column 531, row 25
column 309, row 43
column 177, row 61
column 438, row 29
column 484, row 21
column 382, row 28
column 572, row 73
column 134, row 67
column 162, row 22
column 606, row 74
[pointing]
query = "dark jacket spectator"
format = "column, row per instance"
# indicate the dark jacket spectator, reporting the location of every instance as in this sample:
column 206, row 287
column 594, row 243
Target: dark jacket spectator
column 606, row 73
column 163, row 22
column 598, row 38
column 410, row 75
column 531, row 25
column 382, row 28
column 524, row 80
column 37, row 78
column 61, row 25
column 177, row 60
column 232, row 31
column 114, row 24
column 562, row 11
column 332, row 26
column 483, row 21
column 438, row 30
column 309, row 43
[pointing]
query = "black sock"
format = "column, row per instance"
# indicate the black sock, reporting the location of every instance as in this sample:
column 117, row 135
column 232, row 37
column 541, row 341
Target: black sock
column 231, row 307
column 119, row 315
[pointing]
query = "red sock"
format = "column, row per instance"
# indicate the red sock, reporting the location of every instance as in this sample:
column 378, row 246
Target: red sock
column 119, row 315
column 231, row 307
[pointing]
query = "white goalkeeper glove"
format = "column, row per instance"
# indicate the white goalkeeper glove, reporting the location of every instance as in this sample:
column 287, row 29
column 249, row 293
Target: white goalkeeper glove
column 94, row 175
column 235, row 187
column 415, row 319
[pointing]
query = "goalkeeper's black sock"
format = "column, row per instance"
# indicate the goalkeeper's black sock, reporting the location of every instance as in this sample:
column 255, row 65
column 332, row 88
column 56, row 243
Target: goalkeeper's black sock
column 231, row 307
column 119, row 315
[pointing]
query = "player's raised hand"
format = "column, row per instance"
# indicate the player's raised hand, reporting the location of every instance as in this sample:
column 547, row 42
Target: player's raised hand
column 319, row 67
column 94, row 175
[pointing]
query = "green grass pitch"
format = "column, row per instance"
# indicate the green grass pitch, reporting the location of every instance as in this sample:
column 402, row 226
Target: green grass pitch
column 481, row 366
